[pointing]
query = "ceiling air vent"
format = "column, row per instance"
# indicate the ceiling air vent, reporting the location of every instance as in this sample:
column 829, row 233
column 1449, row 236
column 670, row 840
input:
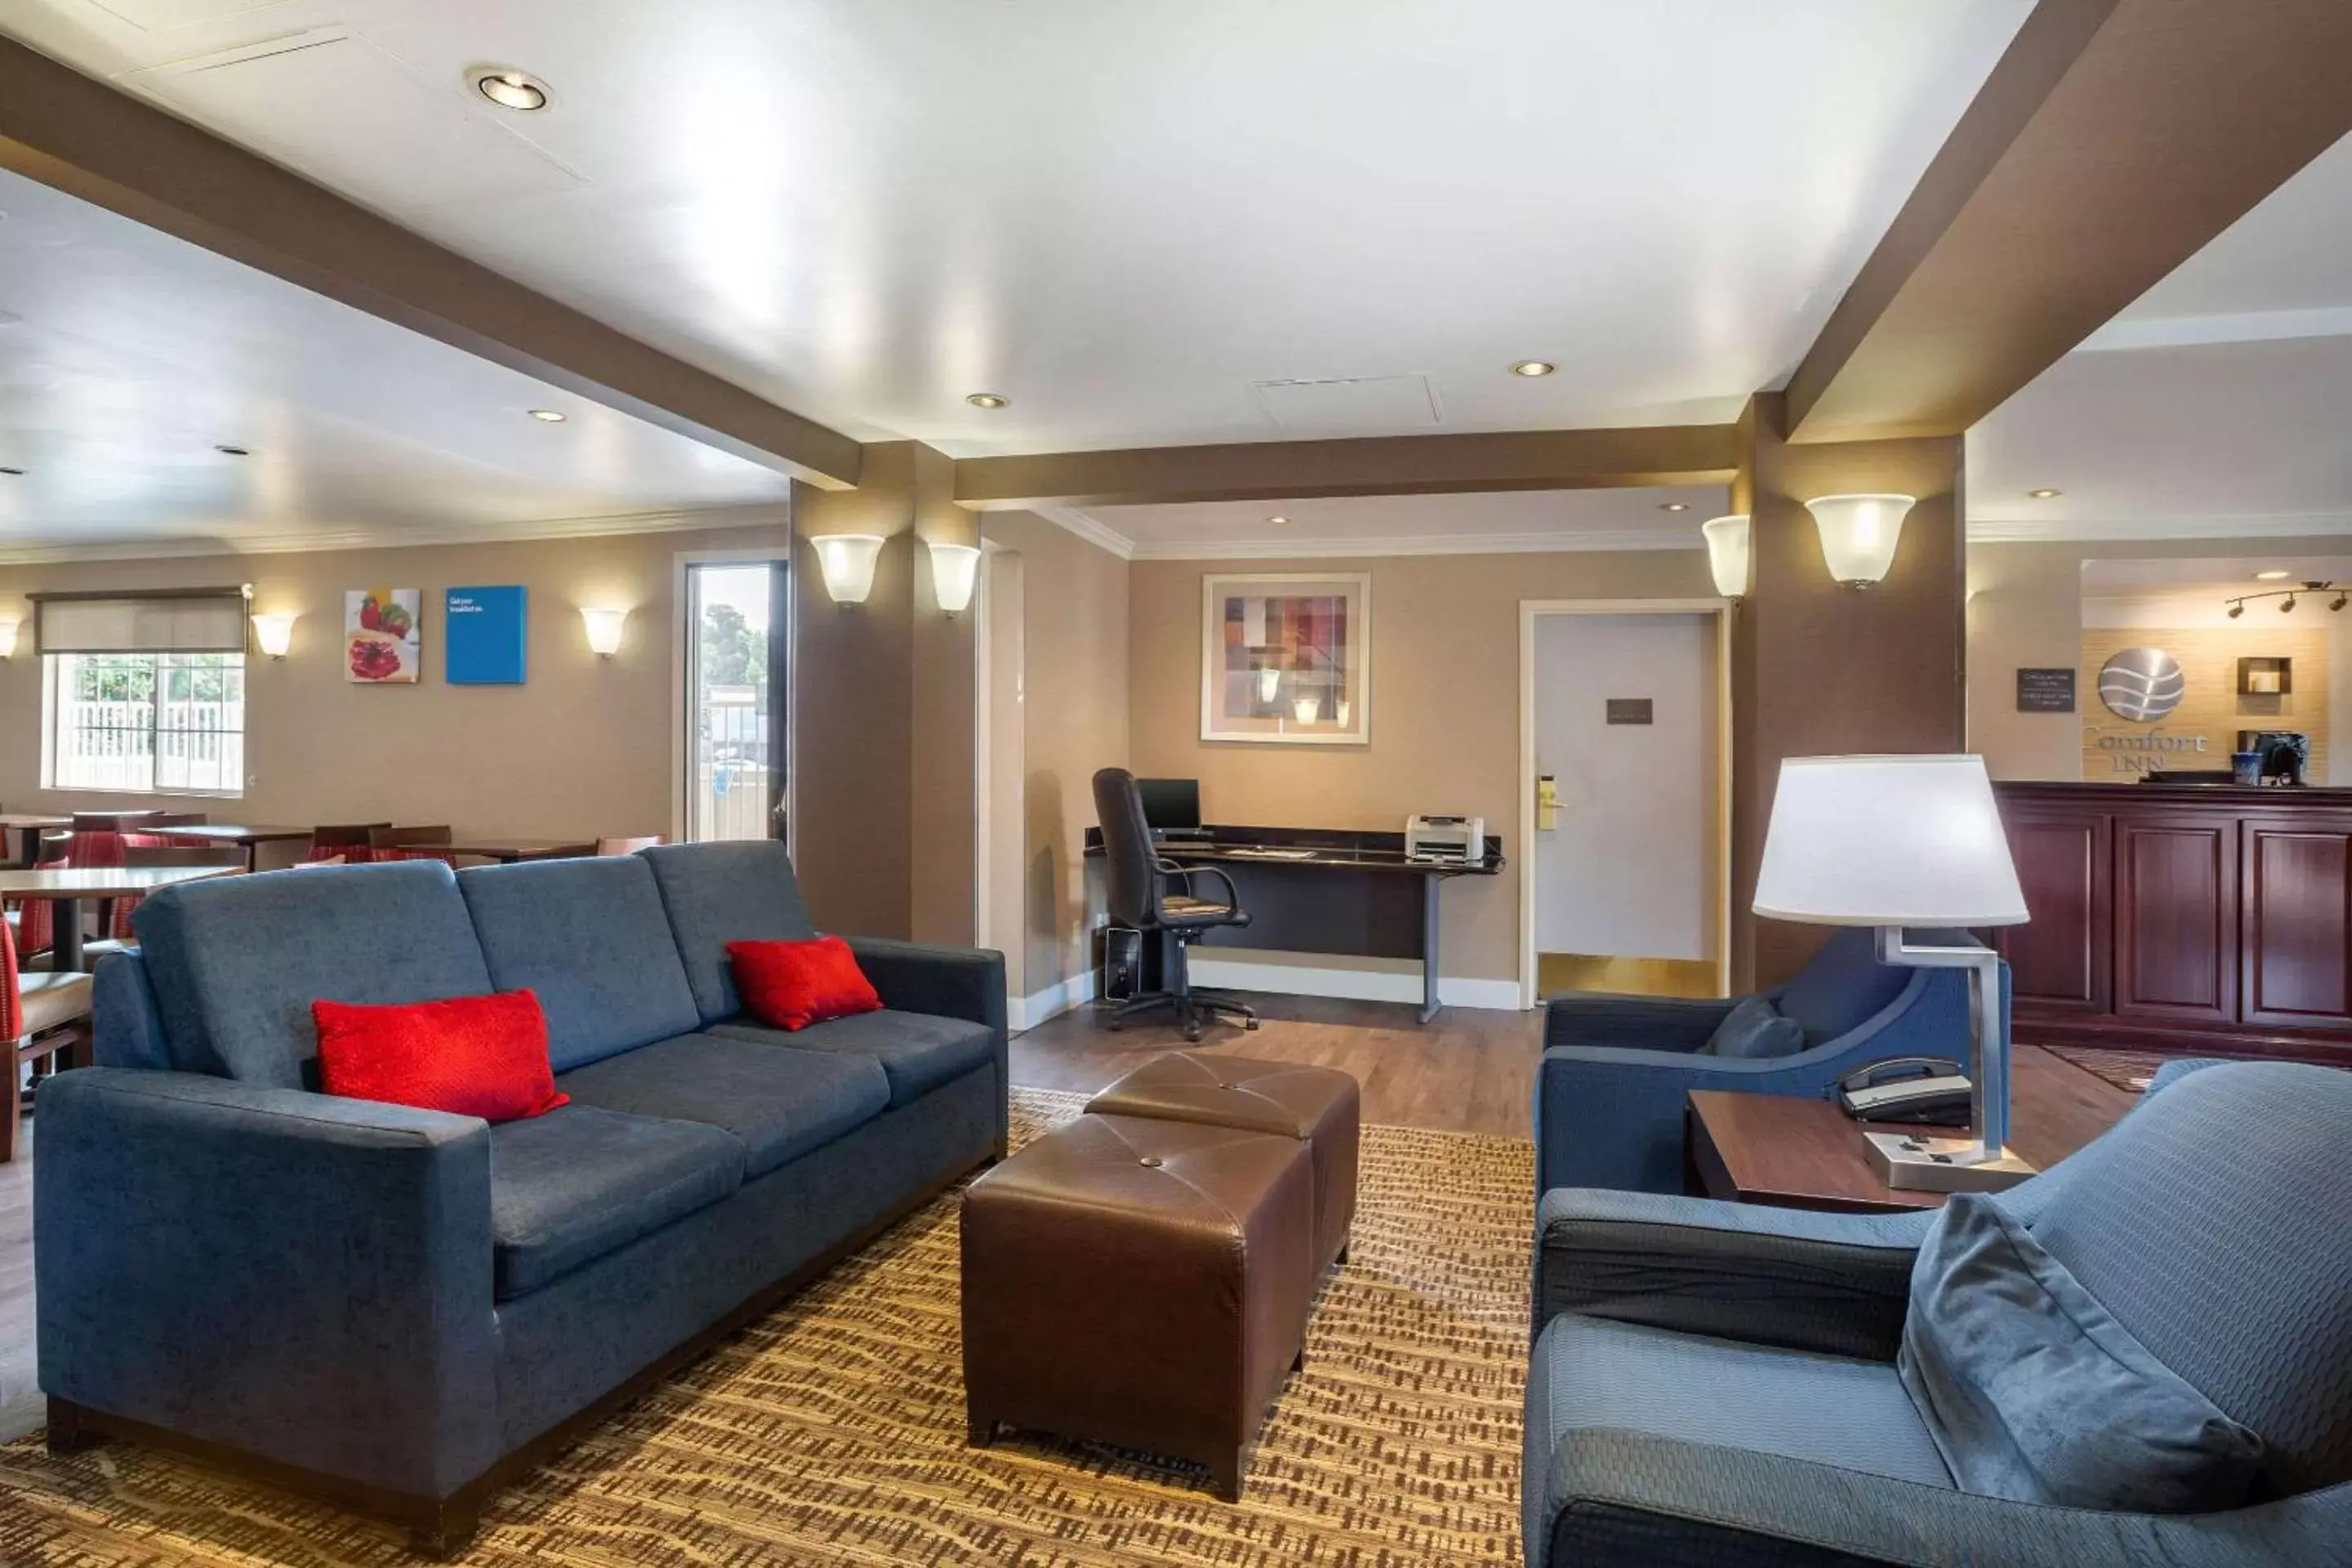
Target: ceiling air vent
column 1371, row 405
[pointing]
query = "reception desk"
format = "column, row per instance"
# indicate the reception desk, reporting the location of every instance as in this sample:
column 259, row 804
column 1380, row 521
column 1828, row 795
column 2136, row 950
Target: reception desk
column 1315, row 890
column 2183, row 918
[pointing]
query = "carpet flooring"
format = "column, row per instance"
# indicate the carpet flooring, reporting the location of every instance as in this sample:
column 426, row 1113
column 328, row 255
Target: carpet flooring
column 833, row 1431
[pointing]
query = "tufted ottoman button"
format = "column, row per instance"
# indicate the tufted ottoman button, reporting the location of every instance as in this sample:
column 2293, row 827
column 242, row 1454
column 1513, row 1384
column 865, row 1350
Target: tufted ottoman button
column 1149, row 1161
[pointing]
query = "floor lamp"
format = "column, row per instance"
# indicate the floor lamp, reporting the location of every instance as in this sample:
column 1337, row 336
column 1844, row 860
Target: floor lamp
column 1917, row 842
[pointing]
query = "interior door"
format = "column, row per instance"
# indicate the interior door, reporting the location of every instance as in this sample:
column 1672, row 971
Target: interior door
column 737, row 684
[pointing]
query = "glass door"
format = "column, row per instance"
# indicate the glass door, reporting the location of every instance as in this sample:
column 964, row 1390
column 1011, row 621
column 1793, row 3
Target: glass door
column 738, row 617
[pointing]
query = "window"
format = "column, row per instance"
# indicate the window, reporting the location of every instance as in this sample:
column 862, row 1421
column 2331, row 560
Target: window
column 146, row 722
column 734, row 762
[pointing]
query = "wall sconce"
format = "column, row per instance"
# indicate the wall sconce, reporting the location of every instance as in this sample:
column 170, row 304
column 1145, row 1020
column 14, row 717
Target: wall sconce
column 273, row 633
column 7, row 636
column 1859, row 534
column 1729, row 553
column 605, row 628
column 955, row 568
column 847, row 561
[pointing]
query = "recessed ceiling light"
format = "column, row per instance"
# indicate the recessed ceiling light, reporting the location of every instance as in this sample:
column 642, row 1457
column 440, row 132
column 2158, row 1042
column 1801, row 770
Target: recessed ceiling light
column 988, row 400
column 510, row 88
column 1277, row 519
column 1674, row 506
column 2044, row 493
column 1534, row 367
column 2269, row 576
column 234, row 451
column 549, row 415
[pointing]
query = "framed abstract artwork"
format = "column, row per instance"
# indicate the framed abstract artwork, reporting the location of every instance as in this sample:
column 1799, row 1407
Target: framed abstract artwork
column 1286, row 658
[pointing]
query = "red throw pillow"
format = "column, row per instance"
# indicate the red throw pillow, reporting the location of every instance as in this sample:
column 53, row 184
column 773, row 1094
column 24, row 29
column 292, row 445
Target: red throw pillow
column 474, row 1055
column 792, row 984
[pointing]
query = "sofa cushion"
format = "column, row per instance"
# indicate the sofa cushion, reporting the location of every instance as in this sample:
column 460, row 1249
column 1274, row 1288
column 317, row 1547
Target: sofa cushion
column 590, row 936
column 779, row 1104
column 1754, row 1029
column 580, row 1181
column 235, row 961
column 2034, row 1393
column 721, row 892
column 919, row 1051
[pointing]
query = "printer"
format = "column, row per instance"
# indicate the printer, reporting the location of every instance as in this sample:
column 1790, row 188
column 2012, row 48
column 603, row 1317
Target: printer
column 1452, row 840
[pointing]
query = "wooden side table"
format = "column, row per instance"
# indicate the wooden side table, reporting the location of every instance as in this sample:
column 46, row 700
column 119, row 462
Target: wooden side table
column 1808, row 1154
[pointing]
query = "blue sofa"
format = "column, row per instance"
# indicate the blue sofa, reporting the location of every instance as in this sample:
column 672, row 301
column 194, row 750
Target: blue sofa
column 401, row 1309
column 1715, row 1383
column 1609, row 1093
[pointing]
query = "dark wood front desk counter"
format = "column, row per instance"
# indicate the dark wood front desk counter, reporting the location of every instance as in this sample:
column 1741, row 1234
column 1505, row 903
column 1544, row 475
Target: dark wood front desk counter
column 2183, row 918
column 1315, row 890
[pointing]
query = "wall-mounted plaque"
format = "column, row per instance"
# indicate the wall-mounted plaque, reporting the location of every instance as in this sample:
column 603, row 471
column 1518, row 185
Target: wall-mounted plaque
column 2045, row 692
column 1629, row 710
column 2142, row 684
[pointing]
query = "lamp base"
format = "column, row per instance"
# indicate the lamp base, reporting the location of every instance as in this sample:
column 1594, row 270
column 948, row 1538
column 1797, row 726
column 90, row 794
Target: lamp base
column 1909, row 1161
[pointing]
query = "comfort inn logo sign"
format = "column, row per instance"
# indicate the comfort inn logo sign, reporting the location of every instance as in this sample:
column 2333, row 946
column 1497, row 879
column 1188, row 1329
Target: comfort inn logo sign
column 2144, row 685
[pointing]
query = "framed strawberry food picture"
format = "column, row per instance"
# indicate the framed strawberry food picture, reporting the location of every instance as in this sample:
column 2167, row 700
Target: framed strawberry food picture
column 383, row 640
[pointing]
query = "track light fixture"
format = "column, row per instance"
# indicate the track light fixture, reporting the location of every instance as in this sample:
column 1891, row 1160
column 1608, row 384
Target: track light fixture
column 2287, row 596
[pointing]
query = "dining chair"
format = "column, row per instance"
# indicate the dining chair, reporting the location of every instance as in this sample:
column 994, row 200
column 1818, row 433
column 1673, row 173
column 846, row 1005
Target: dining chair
column 41, row 1016
column 628, row 845
column 34, row 922
column 347, row 841
column 411, row 843
column 136, row 841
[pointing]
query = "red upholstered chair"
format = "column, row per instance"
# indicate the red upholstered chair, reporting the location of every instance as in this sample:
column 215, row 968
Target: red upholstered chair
column 119, row 926
column 40, row 1016
column 34, row 927
column 347, row 841
column 411, row 843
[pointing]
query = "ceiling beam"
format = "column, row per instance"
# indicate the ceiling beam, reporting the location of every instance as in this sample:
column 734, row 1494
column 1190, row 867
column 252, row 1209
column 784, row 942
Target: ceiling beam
column 1369, row 466
column 87, row 139
column 2113, row 141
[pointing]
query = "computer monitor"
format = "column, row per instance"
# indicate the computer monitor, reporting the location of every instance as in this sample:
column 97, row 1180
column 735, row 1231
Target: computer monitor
column 1171, row 806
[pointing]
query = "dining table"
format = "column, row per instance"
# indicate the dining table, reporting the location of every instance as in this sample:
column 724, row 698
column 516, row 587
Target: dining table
column 249, row 839
column 29, row 825
column 67, row 885
column 510, row 851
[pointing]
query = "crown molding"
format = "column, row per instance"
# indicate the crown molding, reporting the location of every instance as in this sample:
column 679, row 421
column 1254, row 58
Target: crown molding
column 327, row 540
column 1092, row 529
column 2275, row 525
column 1617, row 539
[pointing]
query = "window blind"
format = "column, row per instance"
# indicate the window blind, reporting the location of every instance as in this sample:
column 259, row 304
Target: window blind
column 193, row 620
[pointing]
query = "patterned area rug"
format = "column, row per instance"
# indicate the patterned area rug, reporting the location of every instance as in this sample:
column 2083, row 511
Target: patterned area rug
column 832, row 1432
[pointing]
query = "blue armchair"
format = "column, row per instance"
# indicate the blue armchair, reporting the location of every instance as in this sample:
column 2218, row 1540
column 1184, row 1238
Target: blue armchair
column 1609, row 1093
column 1714, row 1382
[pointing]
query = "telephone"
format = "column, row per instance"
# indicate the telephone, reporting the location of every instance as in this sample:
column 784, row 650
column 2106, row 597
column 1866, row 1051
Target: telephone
column 1928, row 1090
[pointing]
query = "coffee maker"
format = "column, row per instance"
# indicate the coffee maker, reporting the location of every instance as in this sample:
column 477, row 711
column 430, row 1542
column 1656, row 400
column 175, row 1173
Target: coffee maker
column 2284, row 755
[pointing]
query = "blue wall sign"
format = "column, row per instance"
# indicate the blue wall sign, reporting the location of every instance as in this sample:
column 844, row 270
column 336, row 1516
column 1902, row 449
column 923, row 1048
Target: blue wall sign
column 485, row 630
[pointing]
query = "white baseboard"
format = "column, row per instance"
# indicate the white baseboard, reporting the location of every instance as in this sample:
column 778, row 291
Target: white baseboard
column 1365, row 980
column 1024, row 1012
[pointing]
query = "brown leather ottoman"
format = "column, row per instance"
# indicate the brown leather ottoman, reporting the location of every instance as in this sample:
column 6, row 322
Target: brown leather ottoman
column 1141, row 1283
column 1318, row 1104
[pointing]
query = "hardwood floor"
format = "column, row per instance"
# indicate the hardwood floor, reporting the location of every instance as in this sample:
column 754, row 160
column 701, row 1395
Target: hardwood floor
column 1469, row 1070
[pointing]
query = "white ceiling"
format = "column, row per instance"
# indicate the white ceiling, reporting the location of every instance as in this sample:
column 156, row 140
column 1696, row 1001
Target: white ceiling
column 1412, row 525
column 127, row 356
column 1123, row 217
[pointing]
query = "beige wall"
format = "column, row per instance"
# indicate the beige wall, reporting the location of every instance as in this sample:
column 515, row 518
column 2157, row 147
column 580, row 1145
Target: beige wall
column 1445, row 710
column 1076, row 664
column 583, row 748
column 2025, row 609
column 2210, row 708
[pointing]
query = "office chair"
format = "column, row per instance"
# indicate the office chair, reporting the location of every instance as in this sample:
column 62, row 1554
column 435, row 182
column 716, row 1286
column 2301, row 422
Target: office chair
column 1140, row 899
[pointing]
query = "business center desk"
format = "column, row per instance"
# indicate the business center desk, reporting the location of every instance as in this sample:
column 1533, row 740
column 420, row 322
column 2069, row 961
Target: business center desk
column 1316, row 889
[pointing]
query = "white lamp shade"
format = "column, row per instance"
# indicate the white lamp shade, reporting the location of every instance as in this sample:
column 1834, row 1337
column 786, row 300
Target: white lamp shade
column 954, row 569
column 847, row 562
column 7, row 636
column 604, row 629
column 1887, row 841
column 273, row 633
column 1859, row 534
column 1727, row 552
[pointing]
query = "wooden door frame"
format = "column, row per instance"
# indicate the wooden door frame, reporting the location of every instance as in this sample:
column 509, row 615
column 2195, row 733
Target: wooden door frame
column 1530, row 611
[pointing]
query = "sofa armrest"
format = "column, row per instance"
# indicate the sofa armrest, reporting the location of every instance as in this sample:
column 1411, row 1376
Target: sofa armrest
column 129, row 1028
column 922, row 977
column 1836, row 1284
column 1643, row 1023
column 294, row 1274
column 1608, row 1117
column 1616, row 1499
